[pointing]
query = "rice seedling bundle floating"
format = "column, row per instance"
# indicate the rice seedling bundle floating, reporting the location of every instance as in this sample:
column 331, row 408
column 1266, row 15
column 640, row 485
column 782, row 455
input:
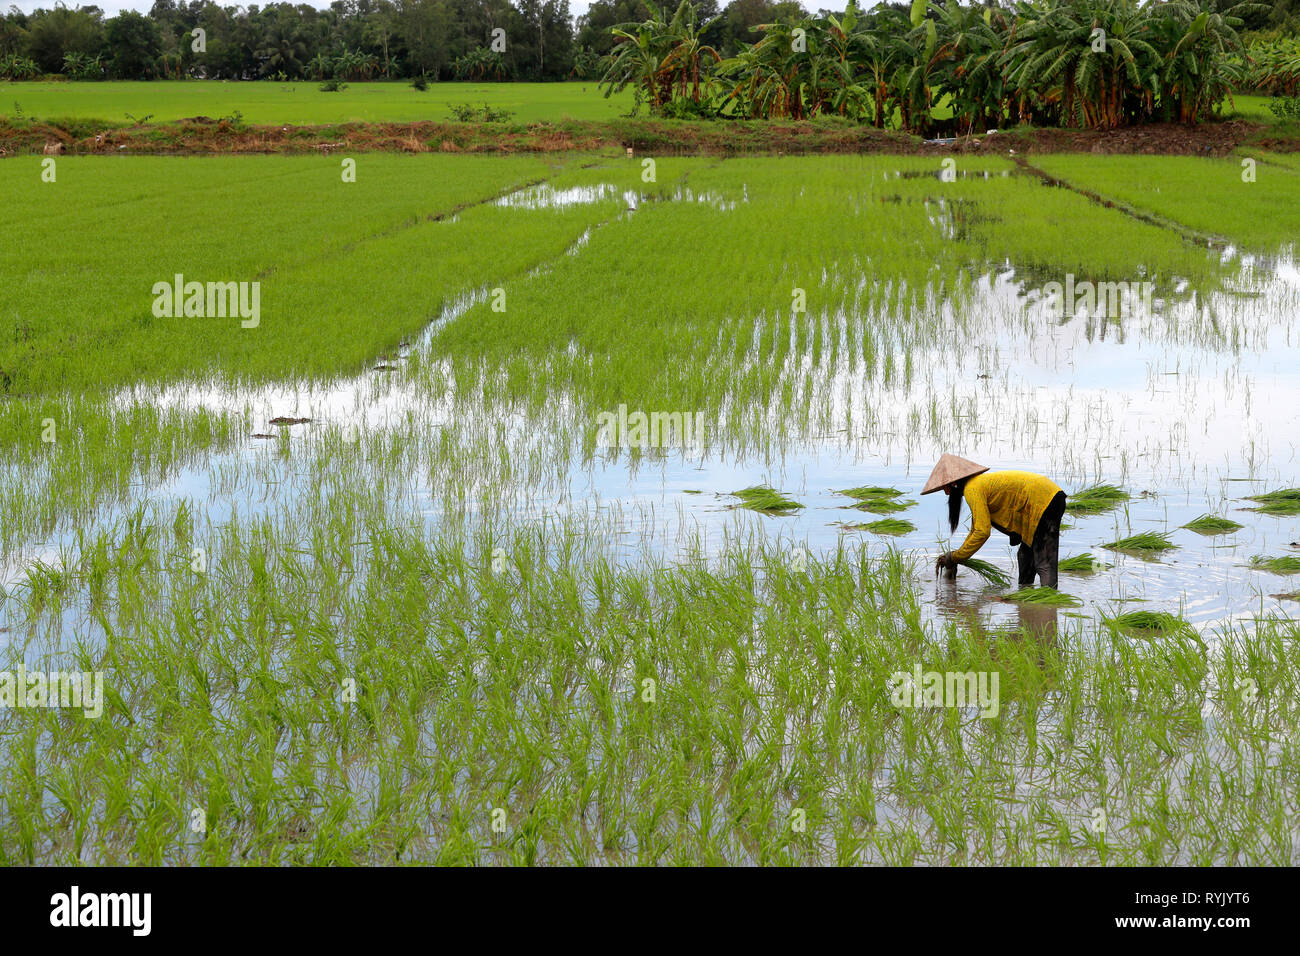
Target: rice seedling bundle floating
column 1081, row 564
column 1046, row 596
column 870, row 491
column 1288, row 564
column 884, row 526
column 877, row 499
column 1096, row 499
column 1283, row 502
column 1213, row 524
column 1148, row 623
column 765, row 500
column 989, row 572
column 1148, row 542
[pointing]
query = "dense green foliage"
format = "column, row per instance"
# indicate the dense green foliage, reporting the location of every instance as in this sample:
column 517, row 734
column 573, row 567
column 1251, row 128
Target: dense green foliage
column 1082, row 63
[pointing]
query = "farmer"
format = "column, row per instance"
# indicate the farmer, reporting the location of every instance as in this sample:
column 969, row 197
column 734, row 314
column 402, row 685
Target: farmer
column 1025, row 506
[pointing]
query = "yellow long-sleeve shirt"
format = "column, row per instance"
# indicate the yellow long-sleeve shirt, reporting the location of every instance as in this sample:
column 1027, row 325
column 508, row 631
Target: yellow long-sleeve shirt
column 1011, row 501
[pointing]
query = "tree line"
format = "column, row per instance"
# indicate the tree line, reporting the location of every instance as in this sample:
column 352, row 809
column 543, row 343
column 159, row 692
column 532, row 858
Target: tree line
column 350, row 40
column 1074, row 63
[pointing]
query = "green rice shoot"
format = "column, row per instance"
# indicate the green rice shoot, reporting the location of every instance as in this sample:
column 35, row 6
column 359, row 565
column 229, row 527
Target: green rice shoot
column 1096, row 499
column 1213, row 524
column 1285, row 502
column 1148, row 542
column 1080, row 564
column 765, row 500
column 1288, row 564
column 884, row 526
column 870, row 491
column 1045, row 596
column 1148, row 623
column 988, row 571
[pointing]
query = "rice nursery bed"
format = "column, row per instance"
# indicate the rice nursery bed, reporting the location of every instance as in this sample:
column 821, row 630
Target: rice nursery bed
column 512, row 527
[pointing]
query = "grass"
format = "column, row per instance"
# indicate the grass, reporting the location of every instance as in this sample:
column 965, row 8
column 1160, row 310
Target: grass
column 1080, row 564
column 1148, row 542
column 1213, row 524
column 1046, row 596
column 1283, row 503
column 1096, row 499
column 1288, row 564
column 303, row 102
column 766, row 500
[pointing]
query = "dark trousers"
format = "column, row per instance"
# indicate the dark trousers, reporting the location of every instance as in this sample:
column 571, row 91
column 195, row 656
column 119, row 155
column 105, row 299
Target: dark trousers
column 1040, row 558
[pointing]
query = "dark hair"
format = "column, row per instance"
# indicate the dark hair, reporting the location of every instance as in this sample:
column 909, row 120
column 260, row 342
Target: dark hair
column 954, row 504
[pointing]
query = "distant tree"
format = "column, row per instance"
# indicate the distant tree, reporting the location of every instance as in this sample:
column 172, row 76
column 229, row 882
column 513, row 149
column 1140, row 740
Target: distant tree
column 53, row 34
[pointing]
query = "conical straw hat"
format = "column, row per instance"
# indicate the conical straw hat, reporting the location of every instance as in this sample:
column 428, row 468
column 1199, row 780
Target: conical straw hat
column 951, row 468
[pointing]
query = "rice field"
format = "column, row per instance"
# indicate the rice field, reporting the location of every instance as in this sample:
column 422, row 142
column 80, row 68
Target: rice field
column 302, row 103
column 565, row 510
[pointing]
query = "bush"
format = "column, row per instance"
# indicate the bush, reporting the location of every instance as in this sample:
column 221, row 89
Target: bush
column 333, row 86
column 420, row 83
column 1285, row 107
column 465, row 113
column 16, row 67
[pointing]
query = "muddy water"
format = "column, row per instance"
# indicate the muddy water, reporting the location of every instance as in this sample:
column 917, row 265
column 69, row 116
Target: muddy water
column 1190, row 403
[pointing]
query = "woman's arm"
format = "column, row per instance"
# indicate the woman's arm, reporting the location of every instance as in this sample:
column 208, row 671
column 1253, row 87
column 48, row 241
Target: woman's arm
column 980, row 526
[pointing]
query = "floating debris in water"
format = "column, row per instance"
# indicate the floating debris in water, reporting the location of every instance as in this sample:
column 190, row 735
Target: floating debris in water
column 284, row 420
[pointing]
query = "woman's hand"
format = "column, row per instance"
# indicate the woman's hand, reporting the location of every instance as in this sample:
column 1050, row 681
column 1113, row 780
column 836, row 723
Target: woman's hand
column 944, row 562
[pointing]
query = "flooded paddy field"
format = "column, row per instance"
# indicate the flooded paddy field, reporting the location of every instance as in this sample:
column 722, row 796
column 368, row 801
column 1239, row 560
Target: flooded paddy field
column 386, row 570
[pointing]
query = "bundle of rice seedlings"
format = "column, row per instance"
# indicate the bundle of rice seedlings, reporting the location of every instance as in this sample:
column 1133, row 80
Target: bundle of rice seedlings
column 870, row 491
column 883, row 506
column 1148, row 542
column 989, row 572
column 1283, row 502
column 889, row 526
column 1213, row 524
column 1081, row 564
column 1047, row 596
column 1148, row 623
column 877, row 499
column 766, row 500
column 1096, row 499
column 1284, row 565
